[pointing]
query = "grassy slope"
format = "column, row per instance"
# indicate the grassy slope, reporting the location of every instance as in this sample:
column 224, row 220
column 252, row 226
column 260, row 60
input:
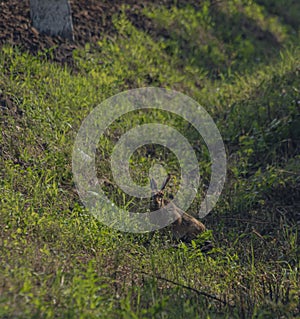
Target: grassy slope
column 241, row 61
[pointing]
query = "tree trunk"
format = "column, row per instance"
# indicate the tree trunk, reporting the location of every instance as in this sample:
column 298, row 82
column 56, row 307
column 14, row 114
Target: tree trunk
column 52, row 17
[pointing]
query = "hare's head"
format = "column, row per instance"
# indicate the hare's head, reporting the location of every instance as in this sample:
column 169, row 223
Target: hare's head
column 157, row 195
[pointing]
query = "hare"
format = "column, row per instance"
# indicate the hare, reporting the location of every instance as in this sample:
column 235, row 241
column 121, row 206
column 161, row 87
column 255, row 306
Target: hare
column 185, row 228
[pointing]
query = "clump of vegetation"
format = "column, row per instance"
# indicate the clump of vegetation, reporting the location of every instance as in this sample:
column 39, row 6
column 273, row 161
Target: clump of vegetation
column 241, row 61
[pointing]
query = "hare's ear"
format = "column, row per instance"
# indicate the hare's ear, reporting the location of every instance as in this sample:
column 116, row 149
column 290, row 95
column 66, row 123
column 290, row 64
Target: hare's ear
column 153, row 185
column 165, row 182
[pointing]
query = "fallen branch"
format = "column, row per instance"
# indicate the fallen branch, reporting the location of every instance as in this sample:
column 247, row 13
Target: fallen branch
column 198, row 292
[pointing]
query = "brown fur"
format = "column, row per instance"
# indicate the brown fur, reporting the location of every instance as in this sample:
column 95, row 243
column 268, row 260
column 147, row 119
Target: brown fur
column 186, row 227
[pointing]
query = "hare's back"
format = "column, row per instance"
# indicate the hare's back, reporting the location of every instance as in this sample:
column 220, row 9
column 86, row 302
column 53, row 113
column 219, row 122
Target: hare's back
column 187, row 228
column 193, row 223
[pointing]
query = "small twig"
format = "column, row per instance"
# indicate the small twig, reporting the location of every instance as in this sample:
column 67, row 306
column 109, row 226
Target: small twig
column 258, row 234
column 198, row 292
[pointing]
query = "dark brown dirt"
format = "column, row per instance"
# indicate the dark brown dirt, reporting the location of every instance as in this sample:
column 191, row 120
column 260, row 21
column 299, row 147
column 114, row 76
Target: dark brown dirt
column 91, row 20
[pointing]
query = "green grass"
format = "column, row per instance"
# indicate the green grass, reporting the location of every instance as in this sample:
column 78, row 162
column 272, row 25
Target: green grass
column 241, row 61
